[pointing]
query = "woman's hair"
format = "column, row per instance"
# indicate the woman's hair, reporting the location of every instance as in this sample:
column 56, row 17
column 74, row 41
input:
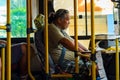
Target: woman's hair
column 60, row 13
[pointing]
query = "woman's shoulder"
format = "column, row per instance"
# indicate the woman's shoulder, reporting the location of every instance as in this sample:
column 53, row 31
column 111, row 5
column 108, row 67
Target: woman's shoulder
column 53, row 27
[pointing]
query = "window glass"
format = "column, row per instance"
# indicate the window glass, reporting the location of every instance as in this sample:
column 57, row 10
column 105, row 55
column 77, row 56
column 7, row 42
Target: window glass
column 107, row 44
column 2, row 16
column 103, row 19
column 18, row 17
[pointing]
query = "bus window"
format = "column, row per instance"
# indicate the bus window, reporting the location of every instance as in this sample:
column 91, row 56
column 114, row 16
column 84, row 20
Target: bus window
column 2, row 16
column 18, row 18
column 101, row 15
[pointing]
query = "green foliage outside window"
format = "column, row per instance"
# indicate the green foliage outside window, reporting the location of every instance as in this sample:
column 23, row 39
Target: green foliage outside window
column 18, row 18
column 18, row 22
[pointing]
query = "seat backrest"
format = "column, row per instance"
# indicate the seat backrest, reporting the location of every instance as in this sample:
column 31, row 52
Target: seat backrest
column 39, row 42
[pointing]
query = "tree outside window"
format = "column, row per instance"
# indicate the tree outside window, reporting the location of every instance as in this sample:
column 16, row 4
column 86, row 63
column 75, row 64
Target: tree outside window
column 18, row 17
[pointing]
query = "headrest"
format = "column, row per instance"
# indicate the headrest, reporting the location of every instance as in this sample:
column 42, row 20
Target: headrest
column 39, row 21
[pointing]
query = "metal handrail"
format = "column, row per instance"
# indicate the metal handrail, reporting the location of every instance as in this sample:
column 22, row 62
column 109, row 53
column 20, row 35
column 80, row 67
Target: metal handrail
column 76, row 36
column 8, row 54
column 117, row 59
column 93, row 40
column 2, row 46
column 46, row 36
column 29, row 24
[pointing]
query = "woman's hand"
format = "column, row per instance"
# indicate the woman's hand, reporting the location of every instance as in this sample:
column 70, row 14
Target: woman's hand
column 85, row 54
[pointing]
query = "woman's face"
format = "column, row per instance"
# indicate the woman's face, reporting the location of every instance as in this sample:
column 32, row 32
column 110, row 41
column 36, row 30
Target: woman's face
column 64, row 22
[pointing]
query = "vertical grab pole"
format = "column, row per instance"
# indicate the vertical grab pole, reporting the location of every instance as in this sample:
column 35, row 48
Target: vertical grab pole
column 3, row 61
column 76, row 36
column 86, row 21
column 117, row 59
column 8, row 55
column 93, row 40
column 46, row 38
column 29, row 24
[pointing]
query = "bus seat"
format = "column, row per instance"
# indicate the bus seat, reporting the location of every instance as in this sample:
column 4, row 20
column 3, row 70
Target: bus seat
column 35, row 62
column 41, row 50
column 19, row 48
column 39, row 42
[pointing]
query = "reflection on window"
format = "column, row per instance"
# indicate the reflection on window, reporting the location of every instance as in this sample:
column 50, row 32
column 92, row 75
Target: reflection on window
column 18, row 17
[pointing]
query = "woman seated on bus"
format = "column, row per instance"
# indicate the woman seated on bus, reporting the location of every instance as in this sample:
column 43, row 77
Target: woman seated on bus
column 58, row 38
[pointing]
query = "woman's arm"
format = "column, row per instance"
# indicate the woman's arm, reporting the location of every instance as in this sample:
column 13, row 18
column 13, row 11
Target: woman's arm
column 81, row 46
column 71, row 45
